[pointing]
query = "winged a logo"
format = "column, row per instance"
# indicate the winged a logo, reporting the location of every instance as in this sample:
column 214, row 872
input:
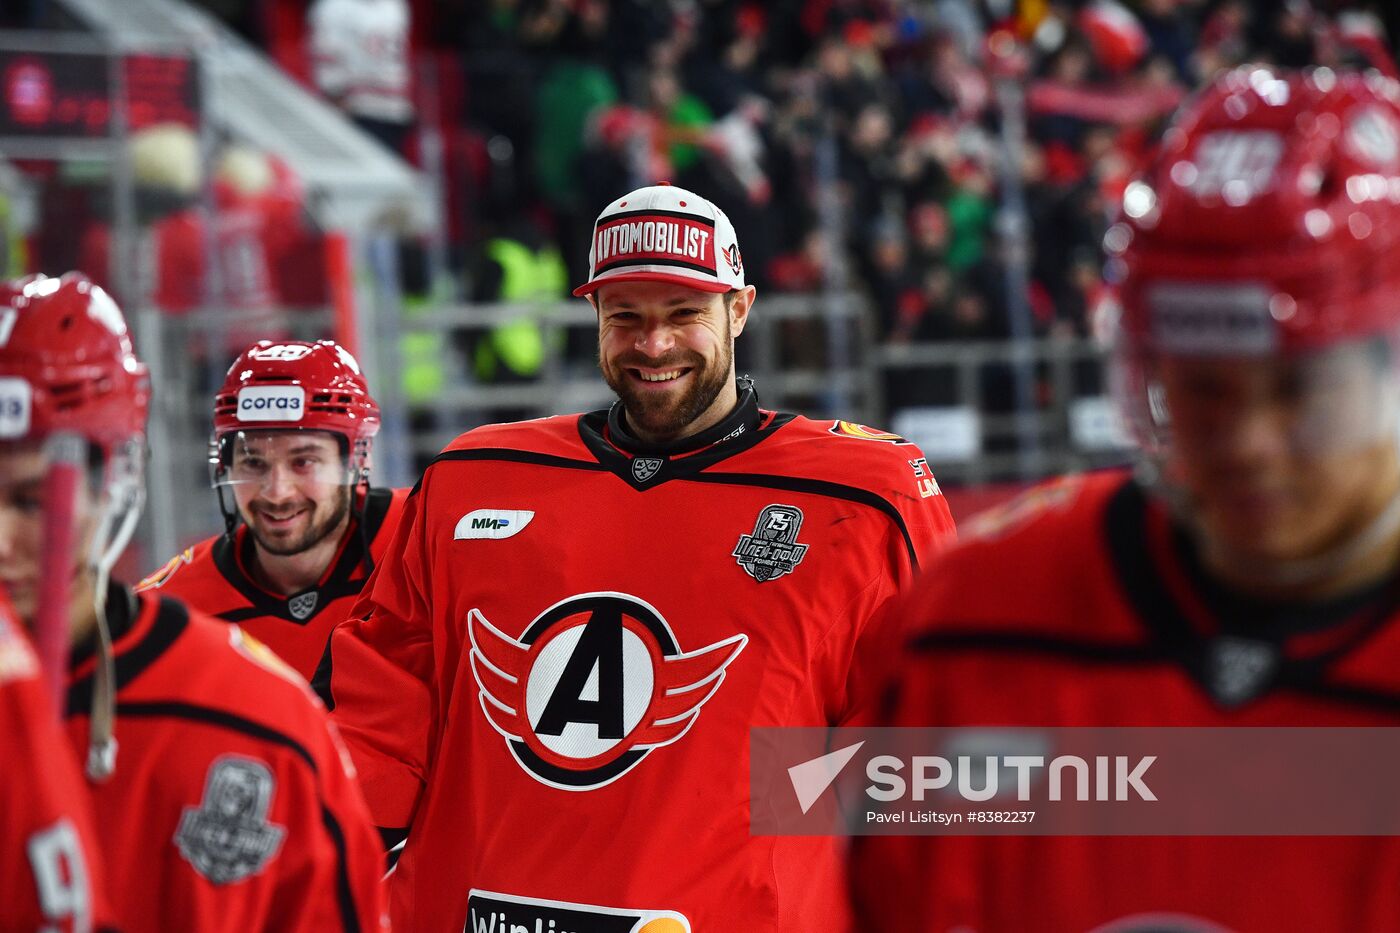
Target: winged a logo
column 595, row 684
column 731, row 256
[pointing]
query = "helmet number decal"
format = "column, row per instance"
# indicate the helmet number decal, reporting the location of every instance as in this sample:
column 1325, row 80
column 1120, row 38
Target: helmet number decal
column 271, row 403
column 1237, row 165
column 16, row 403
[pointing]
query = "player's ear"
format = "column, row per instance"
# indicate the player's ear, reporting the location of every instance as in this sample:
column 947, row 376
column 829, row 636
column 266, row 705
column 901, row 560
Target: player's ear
column 738, row 303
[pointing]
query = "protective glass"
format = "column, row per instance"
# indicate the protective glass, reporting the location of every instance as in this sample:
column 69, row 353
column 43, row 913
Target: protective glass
column 254, row 462
column 1310, row 405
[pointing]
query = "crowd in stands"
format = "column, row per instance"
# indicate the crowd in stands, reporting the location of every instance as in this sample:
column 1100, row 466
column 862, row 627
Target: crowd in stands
column 852, row 142
column 550, row 107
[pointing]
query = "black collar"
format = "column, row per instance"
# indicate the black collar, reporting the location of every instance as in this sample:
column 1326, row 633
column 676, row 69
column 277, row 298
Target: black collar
column 1256, row 646
column 130, row 660
column 744, row 417
column 121, row 616
column 230, row 557
column 646, row 466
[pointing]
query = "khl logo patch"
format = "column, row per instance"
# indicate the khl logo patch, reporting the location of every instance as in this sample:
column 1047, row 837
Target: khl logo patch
column 772, row 550
column 595, row 683
column 1240, row 669
column 227, row 837
column 644, row 468
column 303, row 604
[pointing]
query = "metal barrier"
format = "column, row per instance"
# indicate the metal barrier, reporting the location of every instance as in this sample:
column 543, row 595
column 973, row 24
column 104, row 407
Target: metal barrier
column 171, row 254
column 802, row 381
column 972, row 438
column 968, row 436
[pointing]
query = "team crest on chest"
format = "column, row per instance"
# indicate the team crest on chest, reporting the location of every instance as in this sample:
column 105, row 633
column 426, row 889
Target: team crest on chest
column 303, row 604
column 594, row 685
column 228, row 837
column 772, row 550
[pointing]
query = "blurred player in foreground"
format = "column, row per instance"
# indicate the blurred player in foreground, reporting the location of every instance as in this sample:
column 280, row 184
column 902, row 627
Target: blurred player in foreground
column 49, row 869
column 1245, row 576
column 223, row 799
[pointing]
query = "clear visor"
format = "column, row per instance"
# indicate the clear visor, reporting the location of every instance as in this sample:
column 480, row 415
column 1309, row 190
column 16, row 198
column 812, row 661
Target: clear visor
column 1312, row 405
column 255, row 461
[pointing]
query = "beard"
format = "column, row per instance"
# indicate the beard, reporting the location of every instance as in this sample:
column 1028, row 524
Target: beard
column 665, row 415
column 317, row 530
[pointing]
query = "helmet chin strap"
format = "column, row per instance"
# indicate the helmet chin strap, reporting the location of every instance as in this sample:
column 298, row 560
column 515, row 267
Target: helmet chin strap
column 121, row 511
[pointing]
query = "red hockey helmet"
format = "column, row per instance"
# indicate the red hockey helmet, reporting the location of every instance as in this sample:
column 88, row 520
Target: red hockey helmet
column 297, row 385
column 67, row 367
column 1269, row 226
column 1270, row 219
column 66, row 364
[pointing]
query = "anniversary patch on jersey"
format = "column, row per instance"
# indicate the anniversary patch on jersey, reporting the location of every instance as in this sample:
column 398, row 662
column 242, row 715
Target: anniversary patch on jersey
column 489, row 912
column 772, row 550
column 862, row 433
column 594, row 684
column 228, row 837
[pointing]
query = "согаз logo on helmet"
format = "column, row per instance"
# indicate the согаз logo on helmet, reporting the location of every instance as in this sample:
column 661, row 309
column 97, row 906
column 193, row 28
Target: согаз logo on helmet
column 271, row 403
column 592, row 686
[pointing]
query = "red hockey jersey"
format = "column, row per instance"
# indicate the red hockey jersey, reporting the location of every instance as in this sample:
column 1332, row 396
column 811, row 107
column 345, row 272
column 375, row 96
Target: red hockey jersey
column 211, row 577
column 233, row 806
column 553, row 678
column 1082, row 604
column 49, row 870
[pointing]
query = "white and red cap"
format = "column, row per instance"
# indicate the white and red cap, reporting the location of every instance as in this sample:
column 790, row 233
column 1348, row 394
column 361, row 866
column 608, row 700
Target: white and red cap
column 664, row 234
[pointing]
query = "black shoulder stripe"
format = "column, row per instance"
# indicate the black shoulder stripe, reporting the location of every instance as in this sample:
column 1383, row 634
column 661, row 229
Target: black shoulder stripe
column 517, row 456
column 226, row 562
column 1069, row 649
column 321, row 678
column 1125, row 538
column 816, row 487
column 345, row 892
column 233, row 722
column 170, row 622
column 219, row 718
